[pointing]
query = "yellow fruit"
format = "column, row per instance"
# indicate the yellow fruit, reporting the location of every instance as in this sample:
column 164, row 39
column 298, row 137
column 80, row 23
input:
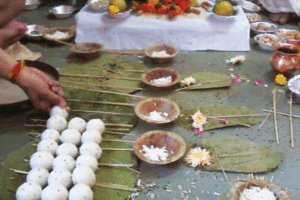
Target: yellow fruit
column 120, row 4
column 224, row 8
column 113, row 10
column 192, row 2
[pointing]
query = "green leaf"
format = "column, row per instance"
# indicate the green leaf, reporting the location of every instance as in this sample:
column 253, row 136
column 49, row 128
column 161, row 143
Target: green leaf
column 217, row 80
column 236, row 154
column 186, row 121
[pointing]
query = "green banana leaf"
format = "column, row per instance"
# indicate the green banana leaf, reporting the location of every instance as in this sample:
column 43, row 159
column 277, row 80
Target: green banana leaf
column 186, row 121
column 236, row 154
column 221, row 80
column 97, row 67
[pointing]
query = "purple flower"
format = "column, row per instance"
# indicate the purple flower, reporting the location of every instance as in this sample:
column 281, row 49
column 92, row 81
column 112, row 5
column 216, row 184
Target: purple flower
column 257, row 82
column 236, row 79
column 197, row 131
column 224, row 121
column 181, row 60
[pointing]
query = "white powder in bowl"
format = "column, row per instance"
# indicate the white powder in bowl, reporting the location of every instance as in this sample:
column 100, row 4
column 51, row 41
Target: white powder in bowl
column 158, row 116
column 58, row 35
column 160, row 54
column 162, row 81
column 155, row 153
column 256, row 193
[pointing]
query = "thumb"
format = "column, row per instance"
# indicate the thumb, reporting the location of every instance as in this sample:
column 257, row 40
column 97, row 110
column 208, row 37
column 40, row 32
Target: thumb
column 55, row 99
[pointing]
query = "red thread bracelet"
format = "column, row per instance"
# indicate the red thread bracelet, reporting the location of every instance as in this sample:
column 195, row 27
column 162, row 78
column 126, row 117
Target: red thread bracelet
column 15, row 72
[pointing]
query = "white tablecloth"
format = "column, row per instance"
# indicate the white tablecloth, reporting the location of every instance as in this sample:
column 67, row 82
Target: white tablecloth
column 134, row 32
column 276, row 6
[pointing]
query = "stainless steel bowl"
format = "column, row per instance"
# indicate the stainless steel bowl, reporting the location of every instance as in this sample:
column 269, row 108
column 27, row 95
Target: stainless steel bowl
column 62, row 11
column 99, row 5
column 256, row 31
column 35, row 31
column 294, row 85
column 263, row 45
column 250, row 7
column 253, row 17
column 32, row 4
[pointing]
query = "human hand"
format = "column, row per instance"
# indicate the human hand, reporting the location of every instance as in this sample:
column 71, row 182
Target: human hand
column 42, row 91
column 10, row 36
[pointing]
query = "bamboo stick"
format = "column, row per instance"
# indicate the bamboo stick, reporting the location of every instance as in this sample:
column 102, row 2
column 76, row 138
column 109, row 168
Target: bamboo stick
column 137, row 71
column 234, row 116
column 137, row 52
column 225, row 175
column 117, row 133
column 275, row 117
column 101, row 85
column 127, row 167
column 38, row 120
column 115, row 140
column 101, row 77
column 231, row 121
column 100, row 102
column 114, row 165
column 291, row 121
column 280, row 113
column 118, row 187
column 18, row 171
column 113, row 71
column 118, row 125
column 118, row 129
column 106, row 92
column 102, row 112
column 235, row 91
column 201, row 83
column 264, row 121
column 117, row 149
column 35, row 125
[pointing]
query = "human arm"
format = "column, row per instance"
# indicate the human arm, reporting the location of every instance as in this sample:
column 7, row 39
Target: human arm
column 9, row 9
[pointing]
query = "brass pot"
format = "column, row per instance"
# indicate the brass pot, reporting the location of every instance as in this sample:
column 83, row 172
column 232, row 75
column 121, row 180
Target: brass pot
column 285, row 59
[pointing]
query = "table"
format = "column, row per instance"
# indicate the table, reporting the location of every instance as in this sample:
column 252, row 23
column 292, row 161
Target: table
column 132, row 32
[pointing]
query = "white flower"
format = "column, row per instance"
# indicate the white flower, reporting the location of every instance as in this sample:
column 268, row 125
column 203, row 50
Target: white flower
column 199, row 120
column 188, row 81
column 198, row 156
column 237, row 59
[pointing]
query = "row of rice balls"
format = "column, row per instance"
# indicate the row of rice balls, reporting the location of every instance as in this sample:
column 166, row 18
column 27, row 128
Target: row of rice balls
column 64, row 174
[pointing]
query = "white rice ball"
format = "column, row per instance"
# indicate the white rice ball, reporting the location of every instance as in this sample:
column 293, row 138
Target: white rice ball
column 87, row 161
column 91, row 136
column 96, row 124
column 77, row 123
column 81, row 192
column 91, row 148
column 64, row 161
column 84, row 175
column 29, row 191
column 50, row 134
column 60, row 176
column 70, row 136
column 48, row 145
column 67, row 149
column 57, row 122
column 38, row 175
column 55, row 192
column 57, row 110
column 41, row 159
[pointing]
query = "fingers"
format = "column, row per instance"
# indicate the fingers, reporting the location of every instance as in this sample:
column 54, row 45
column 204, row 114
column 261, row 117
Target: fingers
column 58, row 91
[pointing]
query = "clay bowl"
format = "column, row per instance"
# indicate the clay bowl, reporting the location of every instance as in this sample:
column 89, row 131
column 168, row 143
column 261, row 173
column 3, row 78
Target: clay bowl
column 156, row 73
column 50, row 31
column 174, row 144
column 145, row 107
column 172, row 51
column 86, row 49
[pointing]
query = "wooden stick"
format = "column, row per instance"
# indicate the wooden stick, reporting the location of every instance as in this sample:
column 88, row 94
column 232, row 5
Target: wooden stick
column 118, row 125
column 137, row 52
column 235, row 91
column 275, row 117
column 264, row 121
column 231, row 121
column 118, row 129
column 102, row 112
column 35, row 125
column 101, row 85
column 137, row 71
column 114, row 165
column 225, row 175
column 124, row 187
column 115, row 140
column 113, row 71
column 127, row 167
column 18, row 171
column 117, row 149
column 107, row 92
column 234, row 116
column 101, row 77
column 100, row 102
column 201, row 83
column 117, row 133
column 38, row 120
column 280, row 113
column 291, row 121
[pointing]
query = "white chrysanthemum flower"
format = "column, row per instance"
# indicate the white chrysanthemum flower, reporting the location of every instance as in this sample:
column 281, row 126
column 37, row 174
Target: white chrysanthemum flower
column 188, row 81
column 198, row 156
column 199, row 120
column 237, row 59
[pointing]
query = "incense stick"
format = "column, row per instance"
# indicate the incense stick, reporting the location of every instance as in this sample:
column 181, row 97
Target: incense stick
column 137, row 52
column 101, row 85
column 201, row 83
column 117, row 133
column 117, row 149
column 99, row 77
column 102, row 112
column 18, row 171
column 118, row 187
column 127, row 167
column 100, row 102
column 118, row 125
column 291, row 121
column 118, row 129
column 280, row 113
column 35, row 125
column 264, row 121
column 115, row 140
column 234, row 116
column 137, row 71
column 106, row 92
column 113, row 71
column 235, row 122
column 225, row 175
column 235, row 91
column 114, row 165
column 275, row 117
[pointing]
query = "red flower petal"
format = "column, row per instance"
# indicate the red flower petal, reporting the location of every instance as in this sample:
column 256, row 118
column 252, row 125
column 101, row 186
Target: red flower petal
column 257, row 82
column 198, row 132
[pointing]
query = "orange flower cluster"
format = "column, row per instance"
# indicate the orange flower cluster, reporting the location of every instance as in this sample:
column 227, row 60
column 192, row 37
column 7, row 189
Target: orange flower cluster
column 172, row 7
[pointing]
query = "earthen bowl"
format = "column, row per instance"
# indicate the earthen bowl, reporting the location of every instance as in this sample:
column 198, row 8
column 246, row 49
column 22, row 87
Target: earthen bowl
column 71, row 30
column 143, row 109
column 87, row 49
column 156, row 73
column 161, row 47
column 174, row 144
